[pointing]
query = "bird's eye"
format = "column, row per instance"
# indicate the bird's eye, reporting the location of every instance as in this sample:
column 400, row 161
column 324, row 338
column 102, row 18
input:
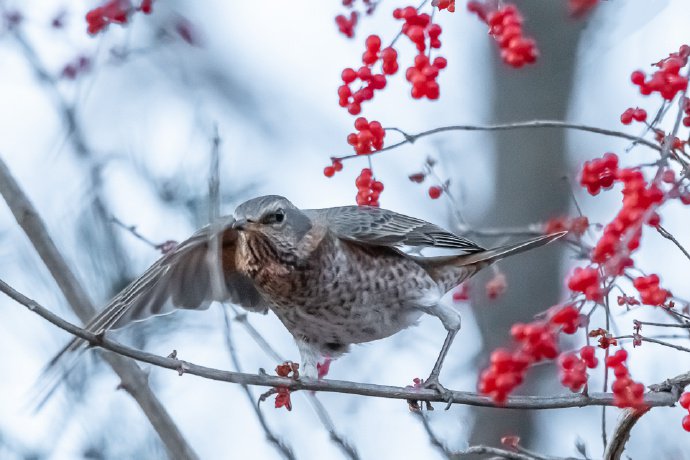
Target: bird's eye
column 274, row 217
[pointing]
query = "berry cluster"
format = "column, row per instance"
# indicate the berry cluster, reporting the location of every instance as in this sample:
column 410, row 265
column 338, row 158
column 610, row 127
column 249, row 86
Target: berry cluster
column 335, row 167
column 573, row 370
column 496, row 286
column 419, row 28
column 505, row 25
column 536, row 342
column 444, row 5
column 667, row 81
column 586, row 280
column 599, row 173
column 650, row 292
column 370, row 82
column 287, row 369
column 684, row 402
column 423, row 76
column 369, row 138
column 626, row 392
column 631, row 114
column 575, row 225
column 638, row 198
column 368, row 189
column 346, row 25
column 686, row 110
column 113, row 12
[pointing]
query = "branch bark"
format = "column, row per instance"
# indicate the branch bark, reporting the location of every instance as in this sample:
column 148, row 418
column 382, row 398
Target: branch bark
column 652, row 399
column 621, row 433
column 133, row 379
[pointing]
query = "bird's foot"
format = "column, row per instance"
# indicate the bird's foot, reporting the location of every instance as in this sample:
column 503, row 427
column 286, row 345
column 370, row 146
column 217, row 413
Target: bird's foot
column 433, row 383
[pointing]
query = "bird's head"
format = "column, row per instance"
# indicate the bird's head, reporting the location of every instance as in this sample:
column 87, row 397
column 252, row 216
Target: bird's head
column 275, row 218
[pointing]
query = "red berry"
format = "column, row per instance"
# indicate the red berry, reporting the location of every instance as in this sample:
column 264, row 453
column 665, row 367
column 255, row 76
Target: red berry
column 329, row 171
column 435, row 192
column 684, row 400
column 686, row 423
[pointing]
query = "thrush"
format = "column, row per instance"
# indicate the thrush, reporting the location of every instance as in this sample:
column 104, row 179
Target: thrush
column 334, row 277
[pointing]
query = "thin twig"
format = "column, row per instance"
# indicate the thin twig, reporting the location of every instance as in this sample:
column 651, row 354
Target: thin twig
column 410, row 138
column 134, row 380
column 280, row 445
column 435, row 441
column 651, row 340
column 663, row 232
column 652, row 399
column 646, row 323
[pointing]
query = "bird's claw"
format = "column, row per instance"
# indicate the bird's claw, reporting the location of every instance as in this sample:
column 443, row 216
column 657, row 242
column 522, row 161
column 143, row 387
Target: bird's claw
column 433, row 384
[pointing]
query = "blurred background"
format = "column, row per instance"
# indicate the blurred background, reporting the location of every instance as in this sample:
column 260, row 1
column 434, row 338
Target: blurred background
column 146, row 105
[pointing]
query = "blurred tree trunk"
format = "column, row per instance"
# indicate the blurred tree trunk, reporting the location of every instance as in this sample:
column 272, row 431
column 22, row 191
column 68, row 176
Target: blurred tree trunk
column 530, row 164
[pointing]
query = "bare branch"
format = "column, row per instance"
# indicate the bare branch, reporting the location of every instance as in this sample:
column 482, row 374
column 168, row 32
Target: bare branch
column 410, row 138
column 653, row 399
column 663, row 232
column 658, row 342
column 621, row 433
column 134, row 381
column 284, row 449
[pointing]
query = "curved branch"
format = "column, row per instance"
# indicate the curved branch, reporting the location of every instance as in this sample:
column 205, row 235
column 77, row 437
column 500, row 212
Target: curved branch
column 411, row 138
column 336, row 386
column 621, row 434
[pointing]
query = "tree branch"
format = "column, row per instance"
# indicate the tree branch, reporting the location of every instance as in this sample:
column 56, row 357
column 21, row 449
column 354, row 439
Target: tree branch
column 652, row 399
column 133, row 379
column 411, row 138
column 621, row 433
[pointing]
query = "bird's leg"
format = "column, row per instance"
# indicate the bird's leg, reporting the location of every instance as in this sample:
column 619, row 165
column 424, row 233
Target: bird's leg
column 310, row 357
column 451, row 321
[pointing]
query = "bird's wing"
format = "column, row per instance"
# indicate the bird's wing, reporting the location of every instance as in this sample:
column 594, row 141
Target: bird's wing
column 375, row 226
column 185, row 278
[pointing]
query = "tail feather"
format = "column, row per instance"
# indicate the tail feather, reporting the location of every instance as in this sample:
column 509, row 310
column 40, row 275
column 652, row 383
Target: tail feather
column 449, row 271
column 494, row 255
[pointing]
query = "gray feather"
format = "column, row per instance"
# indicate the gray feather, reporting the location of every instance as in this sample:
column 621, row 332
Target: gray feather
column 371, row 225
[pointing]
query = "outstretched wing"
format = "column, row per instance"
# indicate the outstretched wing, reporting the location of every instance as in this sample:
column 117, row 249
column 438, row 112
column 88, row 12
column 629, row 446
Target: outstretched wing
column 188, row 277
column 376, row 226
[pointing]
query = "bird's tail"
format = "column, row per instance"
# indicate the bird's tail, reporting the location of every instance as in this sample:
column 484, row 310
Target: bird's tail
column 449, row 271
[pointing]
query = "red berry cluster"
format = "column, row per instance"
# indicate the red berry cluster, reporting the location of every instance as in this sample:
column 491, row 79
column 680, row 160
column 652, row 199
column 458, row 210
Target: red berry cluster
column 346, row 25
column 113, row 11
column 575, row 225
column 638, row 198
column 650, row 292
column 423, row 76
column 496, row 286
column 505, row 25
column 684, row 402
column 586, row 280
column 626, row 392
column 631, row 114
column 335, row 167
column 667, row 81
column 287, row 369
column 369, row 138
column 419, row 28
column 573, row 370
column 536, row 342
column 599, row 173
column 370, row 81
column 686, row 109
column 444, row 5
column 368, row 189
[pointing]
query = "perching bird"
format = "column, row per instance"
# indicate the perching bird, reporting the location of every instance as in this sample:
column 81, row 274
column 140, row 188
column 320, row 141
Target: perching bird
column 334, row 277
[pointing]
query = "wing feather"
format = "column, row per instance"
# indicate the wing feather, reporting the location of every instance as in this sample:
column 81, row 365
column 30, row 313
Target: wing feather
column 376, row 226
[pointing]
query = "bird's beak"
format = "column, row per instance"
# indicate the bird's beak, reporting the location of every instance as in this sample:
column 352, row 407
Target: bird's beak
column 240, row 224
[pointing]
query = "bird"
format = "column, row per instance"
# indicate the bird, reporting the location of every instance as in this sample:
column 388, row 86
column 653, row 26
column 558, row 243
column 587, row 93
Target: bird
column 334, row 277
